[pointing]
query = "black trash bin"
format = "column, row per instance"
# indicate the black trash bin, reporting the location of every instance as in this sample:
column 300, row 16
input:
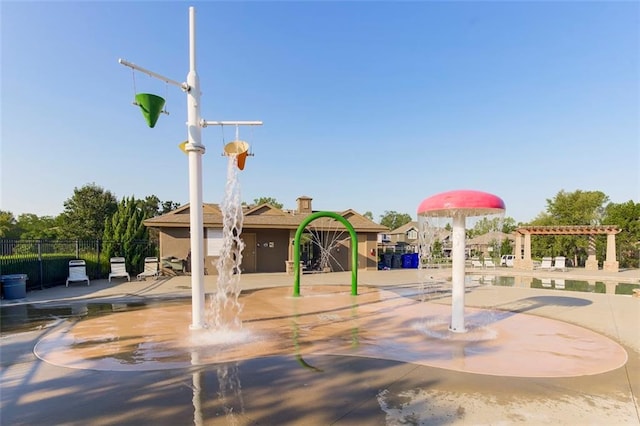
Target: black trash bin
column 14, row 286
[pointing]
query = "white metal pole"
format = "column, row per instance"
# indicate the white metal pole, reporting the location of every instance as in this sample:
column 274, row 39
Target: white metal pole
column 205, row 123
column 183, row 86
column 195, row 150
column 457, row 273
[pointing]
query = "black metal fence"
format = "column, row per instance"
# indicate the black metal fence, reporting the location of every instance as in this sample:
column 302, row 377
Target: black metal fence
column 46, row 262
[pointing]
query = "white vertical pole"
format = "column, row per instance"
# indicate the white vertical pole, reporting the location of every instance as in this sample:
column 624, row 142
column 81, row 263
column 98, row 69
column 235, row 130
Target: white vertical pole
column 195, row 150
column 457, row 273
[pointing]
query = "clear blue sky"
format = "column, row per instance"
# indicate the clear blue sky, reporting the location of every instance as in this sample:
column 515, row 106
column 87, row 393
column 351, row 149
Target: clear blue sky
column 372, row 106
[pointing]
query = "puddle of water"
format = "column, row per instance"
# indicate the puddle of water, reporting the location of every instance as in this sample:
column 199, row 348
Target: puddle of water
column 21, row 318
column 553, row 284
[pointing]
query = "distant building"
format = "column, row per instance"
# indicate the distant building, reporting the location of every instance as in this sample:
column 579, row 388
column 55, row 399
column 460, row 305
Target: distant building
column 406, row 239
column 268, row 234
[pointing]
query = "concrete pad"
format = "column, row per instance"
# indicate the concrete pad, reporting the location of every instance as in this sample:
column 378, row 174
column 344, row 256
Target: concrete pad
column 327, row 320
column 319, row 371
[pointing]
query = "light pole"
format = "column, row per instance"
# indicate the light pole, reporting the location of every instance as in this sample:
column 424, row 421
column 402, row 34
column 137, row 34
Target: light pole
column 194, row 150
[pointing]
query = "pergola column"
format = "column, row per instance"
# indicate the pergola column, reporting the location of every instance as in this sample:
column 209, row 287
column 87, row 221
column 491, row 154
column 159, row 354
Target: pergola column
column 519, row 261
column 528, row 263
column 517, row 246
column 611, row 263
column 592, row 262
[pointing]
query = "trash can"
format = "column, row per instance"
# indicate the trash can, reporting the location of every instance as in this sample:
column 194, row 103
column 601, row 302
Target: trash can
column 406, row 260
column 14, row 286
column 415, row 260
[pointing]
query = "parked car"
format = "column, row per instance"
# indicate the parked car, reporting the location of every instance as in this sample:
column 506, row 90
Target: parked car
column 507, row 260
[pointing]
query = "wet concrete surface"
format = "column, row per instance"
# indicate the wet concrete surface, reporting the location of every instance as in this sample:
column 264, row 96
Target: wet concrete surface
column 305, row 383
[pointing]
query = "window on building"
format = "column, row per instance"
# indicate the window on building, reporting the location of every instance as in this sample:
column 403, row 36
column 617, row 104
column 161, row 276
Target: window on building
column 214, row 242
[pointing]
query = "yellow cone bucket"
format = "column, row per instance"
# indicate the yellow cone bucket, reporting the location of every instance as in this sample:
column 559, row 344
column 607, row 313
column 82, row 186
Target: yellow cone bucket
column 151, row 106
column 239, row 149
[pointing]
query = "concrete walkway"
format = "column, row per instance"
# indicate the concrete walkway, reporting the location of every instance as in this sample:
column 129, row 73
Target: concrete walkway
column 311, row 387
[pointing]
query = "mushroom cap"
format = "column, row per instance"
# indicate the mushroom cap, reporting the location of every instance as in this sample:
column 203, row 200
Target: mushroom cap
column 463, row 201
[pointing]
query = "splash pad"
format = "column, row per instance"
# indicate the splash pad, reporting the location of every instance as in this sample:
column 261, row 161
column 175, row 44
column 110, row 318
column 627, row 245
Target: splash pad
column 327, row 320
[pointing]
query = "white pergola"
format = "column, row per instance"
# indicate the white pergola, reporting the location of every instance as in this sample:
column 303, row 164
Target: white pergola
column 525, row 232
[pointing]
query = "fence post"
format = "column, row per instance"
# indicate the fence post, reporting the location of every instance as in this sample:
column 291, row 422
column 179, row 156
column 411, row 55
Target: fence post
column 98, row 257
column 40, row 264
column 77, row 249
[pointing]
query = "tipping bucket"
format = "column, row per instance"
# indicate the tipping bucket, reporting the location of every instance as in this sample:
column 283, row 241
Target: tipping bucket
column 238, row 148
column 151, row 106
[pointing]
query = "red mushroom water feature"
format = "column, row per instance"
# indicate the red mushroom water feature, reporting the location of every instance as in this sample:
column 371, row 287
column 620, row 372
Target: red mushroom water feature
column 459, row 205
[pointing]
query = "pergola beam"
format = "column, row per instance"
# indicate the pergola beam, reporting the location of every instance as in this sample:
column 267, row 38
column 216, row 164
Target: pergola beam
column 569, row 230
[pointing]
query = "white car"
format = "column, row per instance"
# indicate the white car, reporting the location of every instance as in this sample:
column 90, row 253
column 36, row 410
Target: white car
column 507, row 260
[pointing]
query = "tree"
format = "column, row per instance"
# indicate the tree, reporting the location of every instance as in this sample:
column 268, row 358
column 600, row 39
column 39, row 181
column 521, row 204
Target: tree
column 267, row 200
column 85, row 212
column 152, row 206
column 394, row 220
column 40, row 228
column 509, row 225
column 492, row 224
column 368, row 215
column 124, row 231
column 8, row 226
column 577, row 208
column 167, row 206
column 568, row 208
column 625, row 216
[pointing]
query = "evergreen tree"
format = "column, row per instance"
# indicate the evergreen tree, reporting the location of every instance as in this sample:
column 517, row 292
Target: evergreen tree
column 124, row 232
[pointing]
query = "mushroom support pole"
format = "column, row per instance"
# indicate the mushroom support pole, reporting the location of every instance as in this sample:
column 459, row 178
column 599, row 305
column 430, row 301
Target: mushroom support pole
column 195, row 150
column 457, row 273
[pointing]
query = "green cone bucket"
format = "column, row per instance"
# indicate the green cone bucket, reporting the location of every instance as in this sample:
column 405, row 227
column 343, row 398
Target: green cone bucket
column 151, row 106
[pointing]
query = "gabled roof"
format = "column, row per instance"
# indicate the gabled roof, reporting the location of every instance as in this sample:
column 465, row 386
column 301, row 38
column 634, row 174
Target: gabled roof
column 264, row 216
column 405, row 228
column 266, row 209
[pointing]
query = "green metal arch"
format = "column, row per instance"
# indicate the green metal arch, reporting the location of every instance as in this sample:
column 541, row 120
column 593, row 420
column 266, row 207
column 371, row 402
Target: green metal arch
column 354, row 250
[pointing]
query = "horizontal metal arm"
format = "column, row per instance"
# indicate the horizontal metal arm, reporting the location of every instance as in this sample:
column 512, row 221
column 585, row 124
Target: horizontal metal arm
column 205, row 123
column 183, row 86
